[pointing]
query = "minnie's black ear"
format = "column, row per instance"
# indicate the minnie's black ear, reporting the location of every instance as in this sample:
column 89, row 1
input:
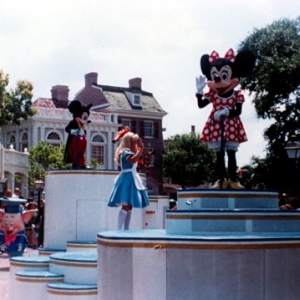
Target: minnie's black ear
column 244, row 63
column 75, row 107
column 205, row 66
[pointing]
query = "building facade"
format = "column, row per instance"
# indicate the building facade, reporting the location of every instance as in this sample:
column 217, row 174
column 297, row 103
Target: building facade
column 112, row 108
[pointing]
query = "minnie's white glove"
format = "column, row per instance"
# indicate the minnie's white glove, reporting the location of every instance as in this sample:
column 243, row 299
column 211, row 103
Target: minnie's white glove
column 200, row 84
column 222, row 112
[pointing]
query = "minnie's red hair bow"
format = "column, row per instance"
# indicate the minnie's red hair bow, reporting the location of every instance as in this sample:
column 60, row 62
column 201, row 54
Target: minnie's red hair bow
column 215, row 55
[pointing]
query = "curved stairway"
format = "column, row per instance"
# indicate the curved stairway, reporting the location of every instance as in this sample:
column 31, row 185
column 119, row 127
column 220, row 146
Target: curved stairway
column 56, row 275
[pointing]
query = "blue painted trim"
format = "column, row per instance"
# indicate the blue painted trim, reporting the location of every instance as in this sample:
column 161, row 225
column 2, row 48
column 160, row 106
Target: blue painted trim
column 34, row 259
column 235, row 211
column 161, row 235
column 38, row 274
column 89, row 257
column 71, row 286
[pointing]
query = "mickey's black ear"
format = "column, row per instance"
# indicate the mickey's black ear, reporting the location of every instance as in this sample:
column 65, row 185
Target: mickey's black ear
column 89, row 106
column 205, row 66
column 244, row 63
column 75, row 106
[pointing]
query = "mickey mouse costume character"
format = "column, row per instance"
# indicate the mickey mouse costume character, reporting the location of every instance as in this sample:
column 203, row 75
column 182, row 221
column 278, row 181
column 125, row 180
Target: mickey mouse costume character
column 224, row 129
column 76, row 142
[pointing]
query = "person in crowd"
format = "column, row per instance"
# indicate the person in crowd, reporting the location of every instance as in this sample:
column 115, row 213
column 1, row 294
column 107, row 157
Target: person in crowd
column 30, row 227
column 17, row 193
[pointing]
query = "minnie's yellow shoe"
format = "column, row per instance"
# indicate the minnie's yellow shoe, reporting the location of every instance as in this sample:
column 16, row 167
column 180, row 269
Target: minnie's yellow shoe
column 217, row 184
column 235, row 185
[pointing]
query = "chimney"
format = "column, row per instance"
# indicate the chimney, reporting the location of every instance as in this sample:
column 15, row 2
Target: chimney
column 91, row 78
column 193, row 128
column 60, row 93
column 135, row 83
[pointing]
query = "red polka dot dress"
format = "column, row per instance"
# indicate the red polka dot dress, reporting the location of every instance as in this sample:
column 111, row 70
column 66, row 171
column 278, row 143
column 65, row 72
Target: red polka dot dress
column 234, row 132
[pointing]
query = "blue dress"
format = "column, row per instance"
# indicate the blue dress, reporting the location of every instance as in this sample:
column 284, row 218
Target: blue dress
column 128, row 188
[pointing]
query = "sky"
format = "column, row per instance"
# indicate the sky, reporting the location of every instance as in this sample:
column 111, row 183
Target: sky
column 57, row 42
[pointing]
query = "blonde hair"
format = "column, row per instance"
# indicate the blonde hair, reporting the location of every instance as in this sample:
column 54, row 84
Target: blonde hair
column 125, row 144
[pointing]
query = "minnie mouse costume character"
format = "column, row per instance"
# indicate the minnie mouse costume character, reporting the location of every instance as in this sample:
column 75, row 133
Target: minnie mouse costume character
column 76, row 142
column 224, row 129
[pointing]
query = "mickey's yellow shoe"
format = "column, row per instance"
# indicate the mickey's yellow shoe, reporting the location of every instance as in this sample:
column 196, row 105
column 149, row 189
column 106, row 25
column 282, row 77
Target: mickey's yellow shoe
column 217, row 184
column 235, row 185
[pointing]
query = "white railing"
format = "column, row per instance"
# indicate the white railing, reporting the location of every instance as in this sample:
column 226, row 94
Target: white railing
column 64, row 114
column 13, row 161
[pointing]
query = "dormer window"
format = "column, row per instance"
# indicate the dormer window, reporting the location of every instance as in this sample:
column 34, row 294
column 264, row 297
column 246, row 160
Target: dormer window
column 135, row 99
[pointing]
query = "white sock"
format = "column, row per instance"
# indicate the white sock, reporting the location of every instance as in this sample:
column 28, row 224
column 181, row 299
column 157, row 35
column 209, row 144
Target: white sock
column 121, row 218
column 127, row 220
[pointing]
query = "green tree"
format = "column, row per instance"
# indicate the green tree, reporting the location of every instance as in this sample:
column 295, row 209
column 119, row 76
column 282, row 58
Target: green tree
column 275, row 86
column 43, row 157
column 187, row 161
column 15, row 104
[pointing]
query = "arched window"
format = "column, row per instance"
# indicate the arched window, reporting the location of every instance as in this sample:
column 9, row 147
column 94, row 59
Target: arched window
column 53, row 139
column 98, row 149
column 12, row 141
column 24, row 141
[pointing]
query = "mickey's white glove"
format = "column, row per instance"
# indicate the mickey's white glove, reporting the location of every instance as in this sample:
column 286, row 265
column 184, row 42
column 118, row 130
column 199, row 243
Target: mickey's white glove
column 74, row 131
column 77, row 132
column 200, row 84
column 222, row 112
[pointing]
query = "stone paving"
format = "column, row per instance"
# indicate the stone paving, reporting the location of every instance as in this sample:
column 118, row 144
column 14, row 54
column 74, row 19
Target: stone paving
column 4, row 272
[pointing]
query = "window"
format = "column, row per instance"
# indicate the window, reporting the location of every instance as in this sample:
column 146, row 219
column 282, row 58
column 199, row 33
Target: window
column 137, row 100
column 98, row 149
column 24, row 141
column 148, row 129
column 12, row 141
column 130, row 123
column 53, row 139
column 126, row 122
column 53, row 136
column 98, row 139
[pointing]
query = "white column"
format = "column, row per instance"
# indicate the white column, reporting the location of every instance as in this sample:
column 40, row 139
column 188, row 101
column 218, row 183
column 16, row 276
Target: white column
column 88, row 154
column 110, row 151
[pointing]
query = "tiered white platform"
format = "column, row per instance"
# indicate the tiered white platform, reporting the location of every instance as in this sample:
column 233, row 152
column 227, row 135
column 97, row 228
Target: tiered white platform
column 230, row 245
column 219, row 244
column 75, row 211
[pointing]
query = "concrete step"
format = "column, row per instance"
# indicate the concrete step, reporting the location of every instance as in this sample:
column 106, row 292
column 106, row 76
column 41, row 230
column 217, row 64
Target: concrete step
column 79, row 245
column 25, row 263
column 77, row 267
column 65, row 291
column 47, row 251
column 238, row 222
column 226, row 199
column 32, row 262
column 34, row 283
